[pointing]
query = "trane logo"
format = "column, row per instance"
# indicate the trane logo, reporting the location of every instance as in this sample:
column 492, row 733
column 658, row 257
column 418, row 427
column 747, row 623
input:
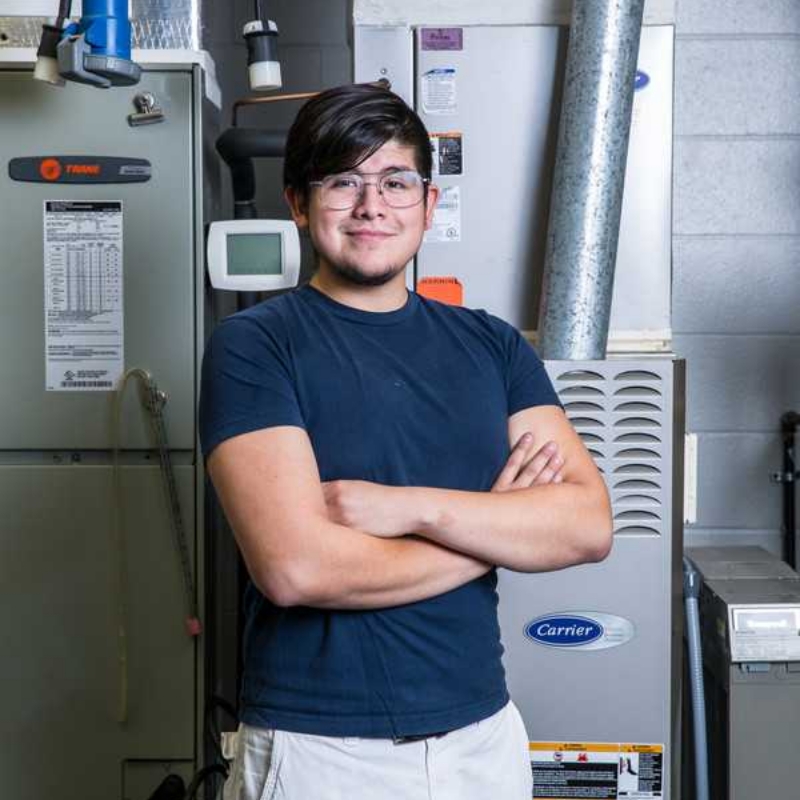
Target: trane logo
column 83, row 169
column 563, row 631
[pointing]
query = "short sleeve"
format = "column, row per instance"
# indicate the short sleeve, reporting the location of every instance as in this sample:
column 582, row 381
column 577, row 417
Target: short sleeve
column 247, row 382
column 527, row 381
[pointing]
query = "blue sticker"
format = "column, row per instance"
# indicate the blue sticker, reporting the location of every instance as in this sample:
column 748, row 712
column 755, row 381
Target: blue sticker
column 641, row 80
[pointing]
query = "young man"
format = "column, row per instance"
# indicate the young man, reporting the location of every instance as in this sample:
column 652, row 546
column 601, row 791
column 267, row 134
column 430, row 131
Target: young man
column 359, row 438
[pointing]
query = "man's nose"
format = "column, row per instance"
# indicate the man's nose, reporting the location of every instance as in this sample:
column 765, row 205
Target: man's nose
column 370, row 200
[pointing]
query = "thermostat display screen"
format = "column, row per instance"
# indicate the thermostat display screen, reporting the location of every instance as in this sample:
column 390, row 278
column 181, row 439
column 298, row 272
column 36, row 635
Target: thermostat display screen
column 254, row 254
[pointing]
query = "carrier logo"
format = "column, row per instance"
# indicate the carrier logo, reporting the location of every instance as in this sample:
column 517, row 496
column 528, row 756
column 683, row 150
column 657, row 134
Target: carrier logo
column 566, row 631
column 585, row 630
column 50, row 169
column 641, row 80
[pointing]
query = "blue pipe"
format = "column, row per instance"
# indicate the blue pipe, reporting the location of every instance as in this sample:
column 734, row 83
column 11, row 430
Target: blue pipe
column 106, row 27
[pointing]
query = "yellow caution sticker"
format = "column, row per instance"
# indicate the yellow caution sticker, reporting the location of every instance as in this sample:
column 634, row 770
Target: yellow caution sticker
column 597, row 770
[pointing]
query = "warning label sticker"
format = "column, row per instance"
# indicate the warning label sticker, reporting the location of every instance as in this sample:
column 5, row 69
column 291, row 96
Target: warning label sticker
column 446, row 225
column 597, row 771
column 84, row 348
column 448, row 153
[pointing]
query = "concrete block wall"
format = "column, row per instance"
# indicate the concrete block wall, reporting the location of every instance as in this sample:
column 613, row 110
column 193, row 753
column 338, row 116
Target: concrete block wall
column 736, row 253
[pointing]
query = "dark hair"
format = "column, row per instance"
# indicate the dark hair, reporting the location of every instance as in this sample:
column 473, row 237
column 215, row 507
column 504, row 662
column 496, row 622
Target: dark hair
column 338, row 129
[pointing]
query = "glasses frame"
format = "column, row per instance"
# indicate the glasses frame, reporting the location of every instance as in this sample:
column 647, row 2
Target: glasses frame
column 381, row 176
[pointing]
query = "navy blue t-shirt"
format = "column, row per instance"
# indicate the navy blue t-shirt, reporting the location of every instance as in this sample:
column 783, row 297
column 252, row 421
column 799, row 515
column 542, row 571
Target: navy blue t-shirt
column 415, row 397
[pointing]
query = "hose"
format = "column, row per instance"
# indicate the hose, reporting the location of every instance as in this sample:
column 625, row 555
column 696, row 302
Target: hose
column 152, row 401
column 691, row 593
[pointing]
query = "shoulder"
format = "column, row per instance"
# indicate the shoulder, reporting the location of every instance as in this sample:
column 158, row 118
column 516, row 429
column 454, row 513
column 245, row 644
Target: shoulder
column 477, row 321
column 271, row 321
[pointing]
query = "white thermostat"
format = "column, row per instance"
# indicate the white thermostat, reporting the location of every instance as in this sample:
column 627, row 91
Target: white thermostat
column 253, row 255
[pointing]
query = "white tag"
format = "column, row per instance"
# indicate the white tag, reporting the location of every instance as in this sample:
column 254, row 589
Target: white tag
column 83, row 317
column 439, row 91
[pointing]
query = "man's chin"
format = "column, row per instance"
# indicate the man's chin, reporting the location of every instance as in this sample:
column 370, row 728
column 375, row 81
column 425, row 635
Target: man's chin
column 358, row 276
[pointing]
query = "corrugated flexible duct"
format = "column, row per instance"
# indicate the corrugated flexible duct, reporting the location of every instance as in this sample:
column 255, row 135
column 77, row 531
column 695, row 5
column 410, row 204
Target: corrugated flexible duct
column 589, row 178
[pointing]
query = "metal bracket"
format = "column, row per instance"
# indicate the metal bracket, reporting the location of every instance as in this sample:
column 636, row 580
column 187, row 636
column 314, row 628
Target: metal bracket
column 148, row 111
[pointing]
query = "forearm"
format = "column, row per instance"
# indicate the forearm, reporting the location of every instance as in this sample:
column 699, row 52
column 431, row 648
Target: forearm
column 337, row 567
column 530, row 530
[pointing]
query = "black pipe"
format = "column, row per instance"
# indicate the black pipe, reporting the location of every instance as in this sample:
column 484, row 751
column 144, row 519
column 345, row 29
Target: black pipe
column 789, row 422
column 64, row 13
column 237, row 148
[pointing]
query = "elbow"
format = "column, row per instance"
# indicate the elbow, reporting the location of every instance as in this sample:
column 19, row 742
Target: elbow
column 599, row 541
column 285, row 585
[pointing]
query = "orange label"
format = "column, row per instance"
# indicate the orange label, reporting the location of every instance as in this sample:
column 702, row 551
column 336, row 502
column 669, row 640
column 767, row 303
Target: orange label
column 446, row 289
column 50, row 169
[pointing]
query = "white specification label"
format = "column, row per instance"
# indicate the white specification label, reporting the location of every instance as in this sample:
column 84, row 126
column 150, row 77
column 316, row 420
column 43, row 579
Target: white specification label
column 439, row 91
column 446, row 225
column 83, row 316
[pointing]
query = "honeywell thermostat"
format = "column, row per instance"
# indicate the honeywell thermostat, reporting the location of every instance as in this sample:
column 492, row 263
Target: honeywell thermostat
column 253, row 255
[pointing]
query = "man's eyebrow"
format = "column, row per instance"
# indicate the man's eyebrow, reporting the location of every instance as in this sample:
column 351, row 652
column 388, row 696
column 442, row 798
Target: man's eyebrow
column 385, row 170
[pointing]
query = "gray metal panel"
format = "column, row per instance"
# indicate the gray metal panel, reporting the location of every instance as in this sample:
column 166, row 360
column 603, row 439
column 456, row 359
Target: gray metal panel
column 159, row 257
column 478, row 12
column 615, row 695
column 771, row 540
column 735, row 285
column 764, row 710
column 385, row 52
column 626, row 693
column 738, row 562
column 643, row 276
column 508, row 99
column 58, row 561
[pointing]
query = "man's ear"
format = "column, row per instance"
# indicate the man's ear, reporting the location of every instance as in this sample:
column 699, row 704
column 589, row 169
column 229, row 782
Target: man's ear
column 297, row 205
column 431, row 199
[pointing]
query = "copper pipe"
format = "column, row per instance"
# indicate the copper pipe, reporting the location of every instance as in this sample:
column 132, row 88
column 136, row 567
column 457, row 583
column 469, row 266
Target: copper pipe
column 278, row 98
column 274, row 98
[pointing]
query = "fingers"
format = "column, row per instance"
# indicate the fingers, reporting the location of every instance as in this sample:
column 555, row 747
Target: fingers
column 524, row 469
column 542, row 469
column 516, row 462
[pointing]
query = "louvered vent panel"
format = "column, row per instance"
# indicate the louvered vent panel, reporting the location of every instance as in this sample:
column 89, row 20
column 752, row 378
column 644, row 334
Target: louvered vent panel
column 622, row 412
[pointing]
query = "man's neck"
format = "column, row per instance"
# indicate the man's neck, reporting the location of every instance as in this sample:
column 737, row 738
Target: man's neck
column 390, row 296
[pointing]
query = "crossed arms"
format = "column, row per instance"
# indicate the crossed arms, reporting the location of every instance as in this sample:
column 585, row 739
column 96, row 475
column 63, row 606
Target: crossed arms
column 353, row 544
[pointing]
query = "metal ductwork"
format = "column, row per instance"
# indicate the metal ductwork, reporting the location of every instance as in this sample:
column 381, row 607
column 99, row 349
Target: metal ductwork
column 589, row 178
column 157, row 25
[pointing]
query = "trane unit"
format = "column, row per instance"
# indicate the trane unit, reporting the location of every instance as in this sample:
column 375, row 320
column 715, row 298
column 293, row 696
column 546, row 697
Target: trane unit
column 593, row 652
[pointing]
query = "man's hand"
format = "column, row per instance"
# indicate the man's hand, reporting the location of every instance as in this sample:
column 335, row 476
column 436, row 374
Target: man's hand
column 523, row 470
column 368, row 507
column 385, row 511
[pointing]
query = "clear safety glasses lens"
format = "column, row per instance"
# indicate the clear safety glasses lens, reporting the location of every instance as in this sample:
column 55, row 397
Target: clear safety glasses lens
column 398, row 189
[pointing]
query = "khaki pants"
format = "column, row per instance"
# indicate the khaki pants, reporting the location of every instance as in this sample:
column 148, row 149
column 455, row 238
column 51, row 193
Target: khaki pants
column 487, row 760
